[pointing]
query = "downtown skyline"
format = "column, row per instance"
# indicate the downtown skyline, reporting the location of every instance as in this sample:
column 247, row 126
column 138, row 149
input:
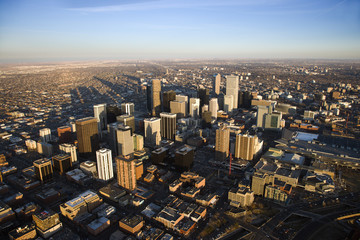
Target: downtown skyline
column 109, row 30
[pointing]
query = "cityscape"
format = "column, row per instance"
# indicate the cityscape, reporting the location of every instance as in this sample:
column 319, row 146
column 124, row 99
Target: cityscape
column 179, row 149
column 169, row 120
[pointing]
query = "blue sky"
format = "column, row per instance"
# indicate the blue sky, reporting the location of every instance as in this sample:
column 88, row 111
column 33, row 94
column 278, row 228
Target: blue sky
column 51, row 30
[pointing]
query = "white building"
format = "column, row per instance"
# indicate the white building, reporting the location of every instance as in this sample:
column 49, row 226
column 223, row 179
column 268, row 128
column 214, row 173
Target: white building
column 214, row 107
column 232, row 88
column 70, row 149
column 45, row 135
column 104, row 164
column 152, row 131
column 194, row 107
column 100, row 115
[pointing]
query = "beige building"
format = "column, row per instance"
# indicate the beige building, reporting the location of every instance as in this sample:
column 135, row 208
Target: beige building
column 155, row 97
column 222, row 143
column 241, row 197
column 152, row 131
column 216, row 84
column 246, row 146
column 125, row 142
column 126, row 171
column 179, row 108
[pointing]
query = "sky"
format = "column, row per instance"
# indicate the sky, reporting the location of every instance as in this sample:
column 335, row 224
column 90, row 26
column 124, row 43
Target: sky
column 54, row 30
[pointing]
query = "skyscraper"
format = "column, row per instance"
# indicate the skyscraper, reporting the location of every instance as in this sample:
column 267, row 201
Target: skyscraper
column 155, row 97
column 228, row 103
column 183, row 98
column 127, row 120
column 112, row 111
column 168, row 125
column 104, row 164
column 127, row 108
column 260, row 117
column 232, row 88
column 124, row 140
column 43, row 169
column 203, row 94
column 112, row 137
column 126, row 171
column 214, row 107
column 216, row 84
column 179, row 108
column 194, row 107
column 152, row 131
column 87, row 135
column 45, row 134
column 138, row 142
column 167, row 98
column 222, row 143
column 245, row 146
column 101, row 117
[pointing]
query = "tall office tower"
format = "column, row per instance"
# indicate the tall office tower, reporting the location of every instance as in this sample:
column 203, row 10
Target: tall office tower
column 221, row 101
column 69, row 149
column 168, row 125
column 260, row 117
column 245, row 146
column 101, row 117
column 138, row 142
column 152, row 131
column 112, row 111
column 206, row 119
column 232, row 88
column 45, row 134
column 222, row 143
column 228, row 103
column 247, row 99
column 127, row 120
column 104, row 164
column 167, row 98
column 149, row 98
column 43, row 169
column 203, row 94
column 178, row 108
column 87, row 135
column 64, row 134
column 241, row 99
column 128, row 108
column 125, row 141
column 126, row 171
column 214, row 107
column 185, row 99
column 155, row 97
column 273, row 121
column 62, row 163
column 47, row 223
column 216, row 84
column 194, row 107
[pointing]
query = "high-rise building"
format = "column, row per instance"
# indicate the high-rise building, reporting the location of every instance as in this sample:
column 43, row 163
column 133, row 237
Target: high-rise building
column 62, row 163
column 45, row 134
column 184, row 157
column 206, row 119
column 43, row 169
column 245, row 146
column 247, row 99
column 44, row 148
column 47, row 223
column 64, row 134
column 167, row 98
column 127, row 120
column 126, row 171
column 216, row 84
column 232, row 88
column 124, row 140
column 112, row 111
column 194, row 107
column 214, row 107
column 260, row 117
column 168, row 125
column 112, row 137
column 228, row 103
column 69, row 149
column 87, row 135
column 128, row 108
column 222, row 143
column 138, row 142
column 183, row 98
column 101, row 117
column 203, row 94
column 240, row 99
column 155, row 97
column 104, row 164
column 152, row 131
column 179, row 108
